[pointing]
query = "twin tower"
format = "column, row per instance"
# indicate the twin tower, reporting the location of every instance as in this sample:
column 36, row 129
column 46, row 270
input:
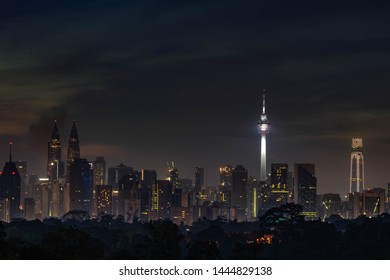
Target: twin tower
column 55, row 167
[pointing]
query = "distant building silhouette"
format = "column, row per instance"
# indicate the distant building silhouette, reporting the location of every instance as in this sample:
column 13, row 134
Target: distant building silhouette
column 279, row 188
column 29, row 209
column 99, row 178
column 148, row 179
column 10, row 187
column 173, row 175
column 129, row 201
column 42, row 198
column 22, row 169
column 104, row 199
column 73, row 146
column 305, row 186
column 239, row 192
column 161, row 200
column 115, row 174
column 80, row 185
column 225, row 183
column 55, row 167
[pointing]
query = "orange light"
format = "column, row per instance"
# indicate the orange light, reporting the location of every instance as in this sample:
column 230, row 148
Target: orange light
column 265, row 239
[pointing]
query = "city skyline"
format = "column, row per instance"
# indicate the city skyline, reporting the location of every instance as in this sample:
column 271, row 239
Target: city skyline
column 153, row 83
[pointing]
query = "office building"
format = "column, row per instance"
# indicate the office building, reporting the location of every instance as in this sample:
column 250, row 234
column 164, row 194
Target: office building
column 357, row 166
column 305, row 186
column 239, row 191
column 10, row 187
column 99, row 178
column 80, row 185
column 104, row 199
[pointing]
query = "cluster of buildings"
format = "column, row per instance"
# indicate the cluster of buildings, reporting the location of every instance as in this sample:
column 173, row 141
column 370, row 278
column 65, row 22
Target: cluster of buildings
column 76, row 184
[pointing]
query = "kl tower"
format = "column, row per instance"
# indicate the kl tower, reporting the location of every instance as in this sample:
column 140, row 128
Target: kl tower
column 263, row 126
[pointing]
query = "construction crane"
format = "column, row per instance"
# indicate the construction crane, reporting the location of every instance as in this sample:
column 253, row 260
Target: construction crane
column 376, row 208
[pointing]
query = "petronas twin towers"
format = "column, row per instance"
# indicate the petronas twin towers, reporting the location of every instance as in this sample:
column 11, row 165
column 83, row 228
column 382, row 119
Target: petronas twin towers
column 55, row 167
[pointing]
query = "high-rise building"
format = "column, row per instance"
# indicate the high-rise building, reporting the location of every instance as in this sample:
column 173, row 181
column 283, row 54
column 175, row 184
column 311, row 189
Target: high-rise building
column 239, row 189
column 225, row 183
column 173, row 175
column 4, row 210
column 129, row 196
column 10, row 187
column 263, row 127
column 357, row 166
column 305, row 186
column 161, row 201
column 80, row 185
column 104, row 199
column 99, row 171
column 29, row 209
column 115, row 173
column 279, row 188
column 99, row 178
column 32, row 181
column 199, row 176
column 148, row 179
column 73, row 146
column 55, row 167
column 22, row 169
column 42, row 195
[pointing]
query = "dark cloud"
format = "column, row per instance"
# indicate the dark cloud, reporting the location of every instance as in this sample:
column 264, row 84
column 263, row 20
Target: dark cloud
column 181, row 80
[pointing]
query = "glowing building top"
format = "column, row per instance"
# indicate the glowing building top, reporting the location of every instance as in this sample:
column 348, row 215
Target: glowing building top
column 263, row 124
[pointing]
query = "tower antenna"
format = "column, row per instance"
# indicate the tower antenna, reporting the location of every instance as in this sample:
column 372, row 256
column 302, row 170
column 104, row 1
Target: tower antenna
column 10, row 151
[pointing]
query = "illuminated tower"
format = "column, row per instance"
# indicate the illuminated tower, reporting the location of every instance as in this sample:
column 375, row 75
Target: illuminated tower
column 73, row 146
column 263, row 127
column 356, row 183
column 54, row 164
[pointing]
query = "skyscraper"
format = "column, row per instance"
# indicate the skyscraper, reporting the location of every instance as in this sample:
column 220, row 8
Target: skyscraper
column 263, row 127
column 115, row 173
column 173, row 175
column 99, row 178
column 305, row 186
column 148, row 179
column 73, row 146
column 22, row 169
column 225, row 183
column 239, row 187
column 55, row 167
column 99, row 171
column 80, row 185
column 161, row 201
column 356, row 183
column 104, row 199
column 10, row 187
column 199, row 176
column 279, row 189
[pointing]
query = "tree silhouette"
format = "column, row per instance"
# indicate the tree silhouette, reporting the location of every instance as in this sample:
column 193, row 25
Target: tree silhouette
column 70, row 243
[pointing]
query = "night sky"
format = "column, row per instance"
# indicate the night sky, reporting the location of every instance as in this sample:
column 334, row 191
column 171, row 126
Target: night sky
column 156, row 81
